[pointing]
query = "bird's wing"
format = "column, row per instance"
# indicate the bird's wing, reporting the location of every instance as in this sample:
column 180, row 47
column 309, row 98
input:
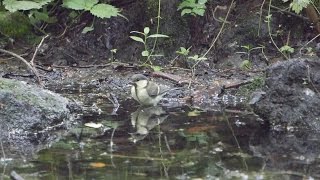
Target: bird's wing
column 153, row 89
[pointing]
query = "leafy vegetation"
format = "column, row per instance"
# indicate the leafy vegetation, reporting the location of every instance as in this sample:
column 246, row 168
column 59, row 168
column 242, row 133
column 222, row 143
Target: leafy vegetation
column 97, row 9
column 144, row 40
column 193, row 7
column 257, row 83
column 36, row 12
column 298, row 5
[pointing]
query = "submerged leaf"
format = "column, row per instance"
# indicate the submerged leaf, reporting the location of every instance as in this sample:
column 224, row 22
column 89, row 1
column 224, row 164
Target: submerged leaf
column 93, row 125
column 98, row 164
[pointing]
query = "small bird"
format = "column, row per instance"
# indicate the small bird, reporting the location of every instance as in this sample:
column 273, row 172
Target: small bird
column 146, row 92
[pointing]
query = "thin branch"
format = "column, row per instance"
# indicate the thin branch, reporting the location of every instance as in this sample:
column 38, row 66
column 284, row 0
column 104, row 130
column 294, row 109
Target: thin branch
column 37, row 49
column 34, row 70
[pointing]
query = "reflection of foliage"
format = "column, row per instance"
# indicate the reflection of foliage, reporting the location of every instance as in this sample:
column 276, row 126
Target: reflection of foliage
column 199, row 137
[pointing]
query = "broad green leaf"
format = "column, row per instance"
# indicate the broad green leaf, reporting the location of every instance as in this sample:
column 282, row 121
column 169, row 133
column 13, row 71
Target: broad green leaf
column 41, row 16
column 202, row 1
column 73, row 4
column 89, row 4
column 79, row 4
column 87, row 29
column 156, row 68
column 199, row 11
column 146, row 30
column 139, row 39
column 245, row 65
column 186, row 11
column 185, row 4
column 43, row 2
column 104, row 11
column 287, row 48
column 158, row 36
column 145, row 53
column 298, row 5
column 13, row 5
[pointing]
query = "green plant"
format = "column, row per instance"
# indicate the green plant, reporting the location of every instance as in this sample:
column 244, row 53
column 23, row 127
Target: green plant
column 38, row 13
column 193, row 7
column 197, row 58
column 287, row 49
column 257, row 83
column 145, row 36
column 15, row 5
column 97, row 9
column 183, row 51
column 298, row 5
column 246, row 64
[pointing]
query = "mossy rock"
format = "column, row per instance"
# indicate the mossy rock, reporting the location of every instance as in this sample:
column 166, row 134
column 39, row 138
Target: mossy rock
column 14, row 25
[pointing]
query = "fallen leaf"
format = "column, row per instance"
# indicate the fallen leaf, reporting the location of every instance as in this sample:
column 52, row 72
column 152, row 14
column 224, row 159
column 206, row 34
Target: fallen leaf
column 97, row 164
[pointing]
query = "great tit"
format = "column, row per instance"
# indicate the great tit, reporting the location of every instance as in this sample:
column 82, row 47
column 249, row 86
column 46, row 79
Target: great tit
column 146, row 92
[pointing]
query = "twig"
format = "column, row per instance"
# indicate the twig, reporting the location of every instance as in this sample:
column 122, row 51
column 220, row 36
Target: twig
column 157, row 32
column 260, row 17
column 300, row 51
column 37, row 49
column 309, row 79
column 269, row 30
column 213, row 42
column 34, row 70
column 289, row 13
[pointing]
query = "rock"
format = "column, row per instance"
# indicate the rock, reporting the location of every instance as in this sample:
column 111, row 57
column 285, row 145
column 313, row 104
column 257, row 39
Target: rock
column 292, row 94
column 29, row 114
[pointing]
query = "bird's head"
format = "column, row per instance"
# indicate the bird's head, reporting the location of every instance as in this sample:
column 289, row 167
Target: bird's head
column 138, row 77
column 139, row 80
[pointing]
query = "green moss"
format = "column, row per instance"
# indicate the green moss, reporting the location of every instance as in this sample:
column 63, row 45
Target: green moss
column 14, row 25
column 257, row 83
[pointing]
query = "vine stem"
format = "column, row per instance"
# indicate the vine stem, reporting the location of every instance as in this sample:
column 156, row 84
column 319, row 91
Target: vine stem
column 218, row 35
column 157, row 32
column 33, row 69
column 269, row 30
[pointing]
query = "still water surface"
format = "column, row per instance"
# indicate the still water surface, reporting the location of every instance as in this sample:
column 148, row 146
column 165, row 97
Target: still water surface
column 224, row 142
